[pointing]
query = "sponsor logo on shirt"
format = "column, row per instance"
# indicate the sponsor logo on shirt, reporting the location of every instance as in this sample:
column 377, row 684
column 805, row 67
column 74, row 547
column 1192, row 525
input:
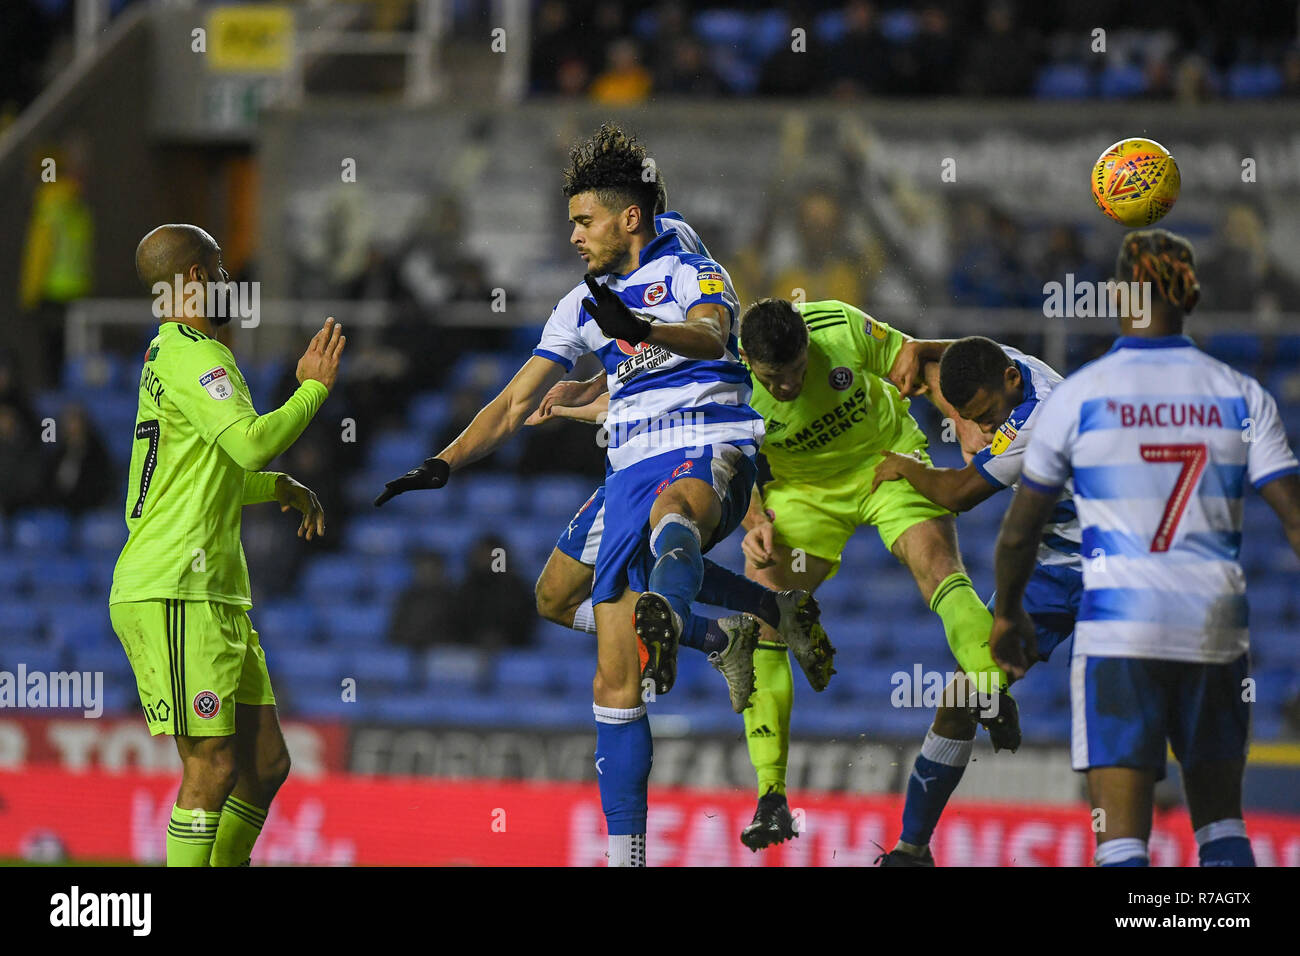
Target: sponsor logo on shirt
column 710, row 282
column 876, row 331
column 217, row 382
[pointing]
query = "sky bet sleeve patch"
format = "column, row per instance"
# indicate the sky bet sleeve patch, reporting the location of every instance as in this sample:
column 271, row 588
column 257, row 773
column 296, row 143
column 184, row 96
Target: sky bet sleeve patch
column 217, row 382
column 1003, row 439
column 710, row 282
column 876, row 331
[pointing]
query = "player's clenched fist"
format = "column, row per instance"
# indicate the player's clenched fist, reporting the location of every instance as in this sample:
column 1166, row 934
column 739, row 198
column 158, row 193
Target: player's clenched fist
column 321, row 360
column 757, row 545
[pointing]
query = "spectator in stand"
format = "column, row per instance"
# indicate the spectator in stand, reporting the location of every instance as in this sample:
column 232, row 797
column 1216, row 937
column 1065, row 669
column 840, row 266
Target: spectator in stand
column 927, row 65
column 688, row 72
column 862, row 62
column 1241, row 275
column 495, row 606
column 22, row 464
column 424, row 616
column 826, row 261
column 625, row 80
column 555, row 41
column 1001, row 60
column 82, row 477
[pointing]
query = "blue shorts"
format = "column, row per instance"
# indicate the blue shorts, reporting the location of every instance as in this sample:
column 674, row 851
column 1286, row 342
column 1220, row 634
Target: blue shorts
column 581, row 539
column 1052, row 598
column 1124, row 709
column 624, row 560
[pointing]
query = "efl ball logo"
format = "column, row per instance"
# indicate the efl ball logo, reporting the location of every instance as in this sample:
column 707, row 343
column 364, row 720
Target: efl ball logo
column 654, row 294
column 841, row 378
column 207, row 704
column 1135, row 182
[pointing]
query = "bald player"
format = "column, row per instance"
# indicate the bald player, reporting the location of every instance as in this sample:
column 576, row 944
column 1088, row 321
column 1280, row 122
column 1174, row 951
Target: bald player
column 180, row 596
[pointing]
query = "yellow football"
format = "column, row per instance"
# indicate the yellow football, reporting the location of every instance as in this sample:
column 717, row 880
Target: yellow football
column 1135, row 182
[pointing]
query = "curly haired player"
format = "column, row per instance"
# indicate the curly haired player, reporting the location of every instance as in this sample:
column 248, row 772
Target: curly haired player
column 682, row 441
column 1159, row 440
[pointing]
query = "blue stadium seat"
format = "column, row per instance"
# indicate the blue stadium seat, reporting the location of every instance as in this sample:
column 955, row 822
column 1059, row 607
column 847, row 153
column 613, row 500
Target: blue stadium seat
column 20, row 620
column 486, row 371
column 41, row 531
column 385, row 667
column 387, row 577
column 396, row 452
column 319, row 663
column 327, row 704
column 14, row 571
column 81, row 625
column 1049, row 728
column 722, row 27
column 36, row 657
column 417, row 709
column 558, row 639
column 1121, row 81
column 284, row 622
column 100, row 372
column 557, row 713
column 59, row 577
column 1063, row 81
column 102, row 531
column 381, row 534
column 526, row 672
column 449, row 668
column 769, row 31
column 114, row 415
column 557, row 498
column 1234, row 348
column 428, row 412
column 491, row 494
column 340, row 576
column 351, row 624
column 830, row 26
column 111, row 661
column 1254, row 81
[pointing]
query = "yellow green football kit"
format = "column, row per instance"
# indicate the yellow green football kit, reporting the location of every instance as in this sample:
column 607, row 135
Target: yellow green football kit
column 823, row 448
column 180, row 593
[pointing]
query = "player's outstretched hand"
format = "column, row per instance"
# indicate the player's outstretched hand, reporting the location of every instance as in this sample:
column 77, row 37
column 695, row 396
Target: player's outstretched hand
column 293, row 494
column 613, row 317
column 889, row 469
column 321, row 360
column 1013, row 643
column 757, row 545
column 432, row 474
column 570, row 393
column 908, row 373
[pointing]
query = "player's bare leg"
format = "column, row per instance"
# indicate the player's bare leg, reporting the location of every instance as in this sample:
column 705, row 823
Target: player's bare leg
column 208, row 774
column 1121, row 799
column 623, row 745
column 262, row 762
column 682, row 520
column 1213, row 792
column 562, row 589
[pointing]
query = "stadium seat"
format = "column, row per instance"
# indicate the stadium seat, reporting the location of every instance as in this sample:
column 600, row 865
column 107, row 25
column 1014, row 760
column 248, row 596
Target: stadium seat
column 340, row 576
column 15, row 650
column 81, row 625
column 491, row 494
column 1121, row 81
column 449, row 668
column 1254, row 81
column 386, row 577
column 14, row 571
column 283, row 623
column 319, row 663
column 1235, row 349
column 380, row 535
column 60, row 578
column 383, row 667
column 428, row 412
column 41, row 531
column 395, row 452
column 556, row 498
column 526, row 673
column 1063, row 81
column 350, row 624
column 103, row 531
column 21, row 620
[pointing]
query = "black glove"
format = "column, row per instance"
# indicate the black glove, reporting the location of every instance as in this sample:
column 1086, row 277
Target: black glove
column 432, row 474
column 614, row 318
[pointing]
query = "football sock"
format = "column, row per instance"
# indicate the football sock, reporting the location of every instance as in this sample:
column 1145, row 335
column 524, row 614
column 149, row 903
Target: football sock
column 1126, row 851
column 189, row 836
column 623, row 754
column 584, row 618
column 703, row 634
column 935, row 775
column 723, row 588
column 240, row 825
column 679, row 569
column 966, row 622
column 1224, row 843
column 767, row 719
